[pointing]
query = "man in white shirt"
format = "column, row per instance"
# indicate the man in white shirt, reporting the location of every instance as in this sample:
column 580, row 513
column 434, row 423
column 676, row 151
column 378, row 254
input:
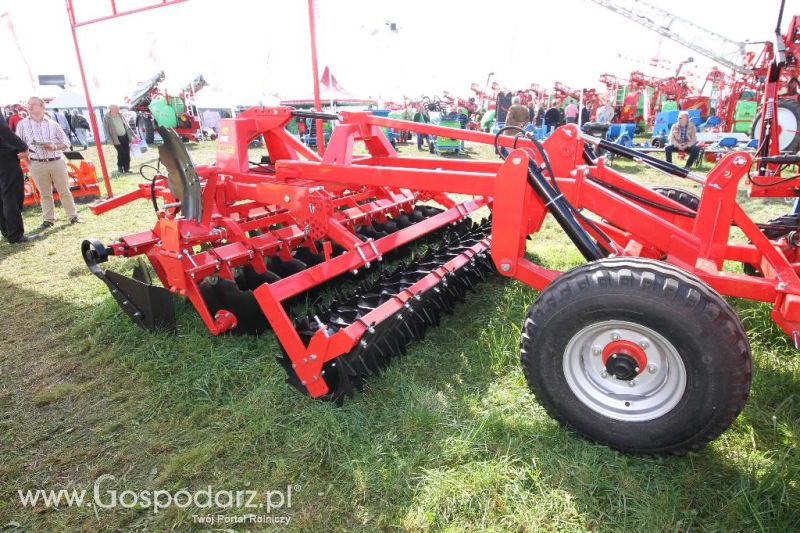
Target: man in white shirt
column 46, row 142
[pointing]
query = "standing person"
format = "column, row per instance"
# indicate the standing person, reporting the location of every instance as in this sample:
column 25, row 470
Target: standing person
column 571, row 113
column 585, row 115
column 517, row 114
column 462, row 116
column 119, row 133
column 302, row 129
column 71, row 133
column 47, row 141
column 504, row 101
column 552, row 117
column 14, row 119
column 421, row 116
column 79, row 126
column 63, row 122
column 683, row 138
column 12, row 184
column 531, row 112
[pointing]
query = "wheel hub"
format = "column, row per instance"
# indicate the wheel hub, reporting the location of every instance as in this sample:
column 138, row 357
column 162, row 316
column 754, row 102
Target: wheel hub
column 622, row 367
column 624, row 359
column 624, row 370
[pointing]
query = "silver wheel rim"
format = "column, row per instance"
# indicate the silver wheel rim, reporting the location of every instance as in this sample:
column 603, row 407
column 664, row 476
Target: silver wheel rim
column 654, row 392
column 788, row 127
column 787, row 121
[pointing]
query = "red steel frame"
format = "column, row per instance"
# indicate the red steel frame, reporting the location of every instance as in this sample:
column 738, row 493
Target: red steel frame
column 314, row 197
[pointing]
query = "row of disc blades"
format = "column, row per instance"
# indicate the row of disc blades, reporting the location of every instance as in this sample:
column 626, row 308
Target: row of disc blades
column 237, row 296
column 389, row 338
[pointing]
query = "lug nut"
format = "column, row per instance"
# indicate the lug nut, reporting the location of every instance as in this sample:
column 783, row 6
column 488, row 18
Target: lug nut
column 615, row 336
column 652, row 369
column 596, row 350
column 604, row 373
column 644, row 344
column 632, row 383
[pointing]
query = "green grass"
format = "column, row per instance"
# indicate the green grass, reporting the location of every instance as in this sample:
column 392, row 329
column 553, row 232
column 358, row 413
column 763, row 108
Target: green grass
column 448, row 439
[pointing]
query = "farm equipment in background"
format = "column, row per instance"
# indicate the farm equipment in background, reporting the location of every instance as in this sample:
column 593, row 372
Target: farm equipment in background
column 441, row 144
column 484, row 96
column 82, row 180
column 154, row 107
column 348, row 258
column 564, row 95
column 753, row 71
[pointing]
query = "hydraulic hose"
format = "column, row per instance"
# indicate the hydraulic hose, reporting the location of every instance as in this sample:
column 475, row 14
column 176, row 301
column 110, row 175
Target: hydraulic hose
column 562, row 211
column 315, row 115
column 663, row 166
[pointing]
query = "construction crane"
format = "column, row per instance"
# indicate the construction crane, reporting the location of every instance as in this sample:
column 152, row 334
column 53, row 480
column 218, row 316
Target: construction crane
column 714, row 46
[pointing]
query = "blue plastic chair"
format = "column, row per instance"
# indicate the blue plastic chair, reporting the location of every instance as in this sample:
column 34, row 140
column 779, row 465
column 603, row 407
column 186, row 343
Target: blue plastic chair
column 712, row 122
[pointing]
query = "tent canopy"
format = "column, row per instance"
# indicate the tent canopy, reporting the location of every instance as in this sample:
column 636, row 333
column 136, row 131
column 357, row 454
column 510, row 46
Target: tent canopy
column 68, row 99
column 219, row 98
column 331, row 93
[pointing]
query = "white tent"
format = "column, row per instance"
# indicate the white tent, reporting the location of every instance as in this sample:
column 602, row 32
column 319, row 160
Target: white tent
column 13, row 91
column 69, row 99
column 217, row 98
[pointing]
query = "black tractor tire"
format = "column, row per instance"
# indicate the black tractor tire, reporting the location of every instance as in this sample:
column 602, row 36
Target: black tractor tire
column 688, row 333
column 792, row 106
column 685, row 198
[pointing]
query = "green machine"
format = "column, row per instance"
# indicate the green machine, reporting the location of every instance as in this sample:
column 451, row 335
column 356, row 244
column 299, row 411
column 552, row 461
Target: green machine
column 445, row 144
column 164, row 114
column 744, row 116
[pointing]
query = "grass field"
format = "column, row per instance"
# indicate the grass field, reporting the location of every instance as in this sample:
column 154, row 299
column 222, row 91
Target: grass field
column 448, row 439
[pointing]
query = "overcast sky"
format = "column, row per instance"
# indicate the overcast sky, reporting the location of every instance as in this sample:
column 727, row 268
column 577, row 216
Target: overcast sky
column 254, row 47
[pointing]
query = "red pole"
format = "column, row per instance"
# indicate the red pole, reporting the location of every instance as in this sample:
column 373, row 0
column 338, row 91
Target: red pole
column 315, row 71
column 92, row 118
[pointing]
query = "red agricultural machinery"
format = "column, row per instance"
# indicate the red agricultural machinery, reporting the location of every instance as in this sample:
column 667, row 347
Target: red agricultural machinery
column 635, row 349
column 590, row 97
column 82, row 180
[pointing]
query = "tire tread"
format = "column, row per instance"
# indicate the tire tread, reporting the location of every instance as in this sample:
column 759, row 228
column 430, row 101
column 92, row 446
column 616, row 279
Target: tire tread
column 646, row 273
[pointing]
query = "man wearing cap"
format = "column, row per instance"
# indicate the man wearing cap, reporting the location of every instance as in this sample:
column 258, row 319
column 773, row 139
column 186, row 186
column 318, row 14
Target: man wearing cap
column 46, row 142
column 683, row 138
